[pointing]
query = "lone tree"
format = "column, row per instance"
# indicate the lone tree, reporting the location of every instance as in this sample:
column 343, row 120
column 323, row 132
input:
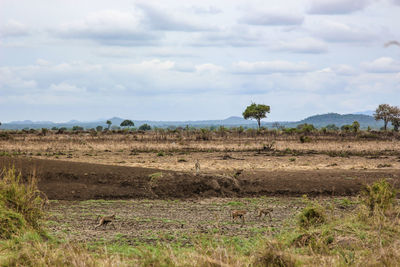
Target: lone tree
column 356, row 126
column 386, row 113
column 257, row 112
column 108, row 122
column 127, row 123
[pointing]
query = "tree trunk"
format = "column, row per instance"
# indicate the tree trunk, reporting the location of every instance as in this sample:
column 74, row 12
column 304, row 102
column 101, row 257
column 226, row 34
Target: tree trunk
column 259, row 123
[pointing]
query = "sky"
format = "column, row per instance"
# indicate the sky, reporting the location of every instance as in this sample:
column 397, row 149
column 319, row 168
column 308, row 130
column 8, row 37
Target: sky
column 193, row 60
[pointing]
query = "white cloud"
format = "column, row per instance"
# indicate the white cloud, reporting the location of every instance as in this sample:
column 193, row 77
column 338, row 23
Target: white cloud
column 236, row 36
column 14, row 28
column 302, row 45
column 66, row 88
column 208, row 68
column 109, row 27
column 328, row 7
column 9, row 80
column 338, row 32
column 273, row 19
column 159, row 19
column 205, row 10
column 342, row 69
column 144, row 66
column 42, row 62
column 267, row 67
column 382, row 65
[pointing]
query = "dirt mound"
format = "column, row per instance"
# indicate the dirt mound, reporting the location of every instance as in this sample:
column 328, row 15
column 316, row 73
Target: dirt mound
column 79, row 181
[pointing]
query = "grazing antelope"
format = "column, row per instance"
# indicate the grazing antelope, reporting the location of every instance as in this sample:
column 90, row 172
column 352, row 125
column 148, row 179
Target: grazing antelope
column 261, row 212
column 105, row 221
column 238, row 214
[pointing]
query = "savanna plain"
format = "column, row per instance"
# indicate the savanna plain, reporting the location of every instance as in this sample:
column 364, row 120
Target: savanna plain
column 331, row 198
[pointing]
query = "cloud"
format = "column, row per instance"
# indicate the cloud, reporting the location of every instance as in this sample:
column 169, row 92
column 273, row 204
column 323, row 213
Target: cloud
column 396, row 2
column 66, row 88
column 342, row 70
column 330, row 7
column 339, row 32
column 268, row 67
column 158, row 19
column 14, row 28
column 302, row 45
column 206, row 10
column 144, row 66
column 42, row 62
column 236, row 36
column 273, row 19
column 110, row 27
column 9, row 80
column 208, row 68
column 382, row 65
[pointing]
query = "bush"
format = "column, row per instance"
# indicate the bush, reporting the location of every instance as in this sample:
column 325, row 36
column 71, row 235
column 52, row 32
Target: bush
column 145, row 127
column 311, row 215
column 24, row 199
column 378, row 197
column 273, row 256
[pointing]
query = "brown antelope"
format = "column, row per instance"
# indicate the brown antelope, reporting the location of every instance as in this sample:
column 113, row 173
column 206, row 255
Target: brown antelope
column 105, row 221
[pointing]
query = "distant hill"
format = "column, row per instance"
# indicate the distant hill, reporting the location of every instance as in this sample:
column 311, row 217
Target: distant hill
column 367, row 112
column 317, row 120
column 340, row 120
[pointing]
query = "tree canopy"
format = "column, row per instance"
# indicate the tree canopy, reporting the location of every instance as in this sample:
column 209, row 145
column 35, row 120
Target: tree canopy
column 257, row 112
column 145, row 127
column 127, row 123
column 108, row 122
column 388, row 114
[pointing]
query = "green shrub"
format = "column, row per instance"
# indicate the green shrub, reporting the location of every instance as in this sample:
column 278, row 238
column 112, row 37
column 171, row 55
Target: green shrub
column 379, row 196
column 311, row 215
column 22, row 198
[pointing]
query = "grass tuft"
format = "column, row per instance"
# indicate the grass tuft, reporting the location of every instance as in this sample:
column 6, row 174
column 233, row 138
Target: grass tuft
column 379, row 197
column 21, row 198
column 312, row 215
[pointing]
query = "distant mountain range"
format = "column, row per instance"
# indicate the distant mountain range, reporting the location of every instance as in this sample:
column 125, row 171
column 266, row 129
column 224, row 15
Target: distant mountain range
column 317, row 120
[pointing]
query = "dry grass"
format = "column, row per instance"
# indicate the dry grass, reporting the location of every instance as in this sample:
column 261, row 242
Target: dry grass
column 217, row 155
column 144, row 143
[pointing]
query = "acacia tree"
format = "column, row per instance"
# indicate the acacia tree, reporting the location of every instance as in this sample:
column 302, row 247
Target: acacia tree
column 257, row 112
column 108, row 122
column 395, row 118
column 127, row 123
column 386, row 113
column 356, row 126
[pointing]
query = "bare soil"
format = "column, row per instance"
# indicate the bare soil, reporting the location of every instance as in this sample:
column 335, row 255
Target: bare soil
column 65, row 180
column 151, row 221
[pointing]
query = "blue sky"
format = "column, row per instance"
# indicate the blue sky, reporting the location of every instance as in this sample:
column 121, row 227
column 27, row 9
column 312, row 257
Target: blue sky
column 190, row 60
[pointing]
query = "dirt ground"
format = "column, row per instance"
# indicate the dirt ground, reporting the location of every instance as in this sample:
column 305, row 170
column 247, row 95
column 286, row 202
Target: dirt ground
column 150, row 221
column 65, row 180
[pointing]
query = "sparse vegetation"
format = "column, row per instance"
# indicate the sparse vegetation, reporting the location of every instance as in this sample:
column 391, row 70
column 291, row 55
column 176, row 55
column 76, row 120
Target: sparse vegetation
column 347, row 238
